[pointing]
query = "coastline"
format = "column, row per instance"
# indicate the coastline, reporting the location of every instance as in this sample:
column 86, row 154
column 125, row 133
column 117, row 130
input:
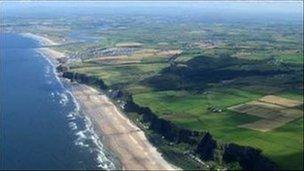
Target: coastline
column 42, row 40
column 105, row 158
column 119, row 134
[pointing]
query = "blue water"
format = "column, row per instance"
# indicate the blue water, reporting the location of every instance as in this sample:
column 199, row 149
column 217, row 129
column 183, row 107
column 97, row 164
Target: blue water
column 41, row 125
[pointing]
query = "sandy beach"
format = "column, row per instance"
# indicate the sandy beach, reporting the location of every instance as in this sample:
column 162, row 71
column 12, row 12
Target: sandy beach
column 124, row 138
column 42, row 40
column 48, row 52
column 120, row 135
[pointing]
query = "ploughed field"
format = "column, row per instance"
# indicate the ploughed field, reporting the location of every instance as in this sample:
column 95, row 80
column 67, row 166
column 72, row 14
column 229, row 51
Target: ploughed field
column 274, row 112
column 239, row 89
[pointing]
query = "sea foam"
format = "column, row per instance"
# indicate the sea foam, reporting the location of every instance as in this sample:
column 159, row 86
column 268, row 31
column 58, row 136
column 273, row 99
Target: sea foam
column 85, row 138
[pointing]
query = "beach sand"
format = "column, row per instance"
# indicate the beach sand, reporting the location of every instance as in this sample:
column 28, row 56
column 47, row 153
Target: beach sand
column 42, row 40
column 119, row 134
column 123, row 137
column 45, row 50
column 55, row 55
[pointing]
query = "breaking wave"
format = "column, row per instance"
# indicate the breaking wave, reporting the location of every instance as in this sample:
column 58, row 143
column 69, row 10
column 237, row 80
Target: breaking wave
column 80, row 125
column 87, row 139
column 63, row 99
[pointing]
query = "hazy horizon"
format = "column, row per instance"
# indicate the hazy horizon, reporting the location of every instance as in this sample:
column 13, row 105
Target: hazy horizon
column 200, row 11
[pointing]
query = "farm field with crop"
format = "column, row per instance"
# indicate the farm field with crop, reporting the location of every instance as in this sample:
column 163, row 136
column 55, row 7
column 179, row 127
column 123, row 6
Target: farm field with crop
column 198, row 74
column 196, row 85
column 207, row 108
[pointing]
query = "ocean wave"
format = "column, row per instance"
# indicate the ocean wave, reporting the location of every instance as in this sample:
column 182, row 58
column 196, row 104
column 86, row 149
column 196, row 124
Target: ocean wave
column 48, row 74
column 52, row 94
column 71, row 116
column 47, row 69
column 53, row 64
column 63, row 99
column 85, row 136
column 73, row 125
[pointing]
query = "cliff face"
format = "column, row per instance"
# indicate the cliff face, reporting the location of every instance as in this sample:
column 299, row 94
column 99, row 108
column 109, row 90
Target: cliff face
column 249, row 158
column 205, row 145
column 167, row 129
column 83, row 78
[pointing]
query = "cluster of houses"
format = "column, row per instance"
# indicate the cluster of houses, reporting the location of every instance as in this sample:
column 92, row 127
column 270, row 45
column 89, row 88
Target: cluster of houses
column 104, row 52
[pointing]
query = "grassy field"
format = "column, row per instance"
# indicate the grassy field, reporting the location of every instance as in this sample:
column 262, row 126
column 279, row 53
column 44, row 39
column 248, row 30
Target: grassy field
column 199, row 110
column 121, row 74
column 292, row 58
column 265, row 60
column 191, row 111
column 223, row 62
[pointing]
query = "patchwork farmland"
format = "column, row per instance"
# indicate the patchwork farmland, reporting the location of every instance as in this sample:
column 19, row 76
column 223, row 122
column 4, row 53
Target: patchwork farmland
column 274, row 112
column 243, row 83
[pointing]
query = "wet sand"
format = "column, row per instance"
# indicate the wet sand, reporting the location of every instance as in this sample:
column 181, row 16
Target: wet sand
column 124, row 138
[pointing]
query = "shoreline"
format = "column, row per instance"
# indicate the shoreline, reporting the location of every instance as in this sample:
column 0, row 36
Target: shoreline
column 118, row 133
column 52, row 56
column 42, row 40
column 125, row 139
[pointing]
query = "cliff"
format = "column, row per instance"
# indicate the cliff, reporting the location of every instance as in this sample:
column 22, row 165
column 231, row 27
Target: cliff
column 205, row 146
column 248, row 158
column 164, row 127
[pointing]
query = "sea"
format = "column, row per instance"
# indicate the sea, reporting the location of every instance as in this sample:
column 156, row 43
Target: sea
column 42, row 126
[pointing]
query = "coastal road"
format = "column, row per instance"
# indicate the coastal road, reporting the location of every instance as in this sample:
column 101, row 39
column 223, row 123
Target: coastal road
column 124, row 138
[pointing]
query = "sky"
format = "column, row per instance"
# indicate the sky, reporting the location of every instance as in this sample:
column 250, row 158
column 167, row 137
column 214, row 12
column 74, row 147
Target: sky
column 285, row 7
column 291, row 9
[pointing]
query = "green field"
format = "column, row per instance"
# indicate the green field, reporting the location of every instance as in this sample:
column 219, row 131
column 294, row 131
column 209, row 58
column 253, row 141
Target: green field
column 222, row 60
column 221, row 65
column 191, row 111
